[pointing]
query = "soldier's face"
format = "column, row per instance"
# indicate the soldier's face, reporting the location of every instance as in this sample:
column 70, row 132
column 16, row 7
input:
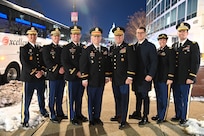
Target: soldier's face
column 140, row 34
column 162, row 42
column 55, row 38
column 96, row 39
column 182, row 34
column 32, row 38
column 75, row 37
column 119, row 39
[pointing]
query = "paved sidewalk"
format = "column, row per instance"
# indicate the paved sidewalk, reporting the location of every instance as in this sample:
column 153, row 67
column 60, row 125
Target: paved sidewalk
column 109, row 128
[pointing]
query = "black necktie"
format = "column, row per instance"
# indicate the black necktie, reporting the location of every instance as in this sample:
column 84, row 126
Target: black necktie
column 97, row 48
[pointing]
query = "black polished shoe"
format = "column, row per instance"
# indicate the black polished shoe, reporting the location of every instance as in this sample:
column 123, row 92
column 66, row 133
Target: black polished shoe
column 54, row 120
column 25, row 124
column 122, row 125
column 135, row 115
column 62, row 117
column 91, row 123
column 144, row 121
column 46, row 115
column 182, row 123
column 175, row 119
column 82, row 118
column 115, row 118
column 155, row 118
column 159, row 121
column 98, row 121
column 75, row 122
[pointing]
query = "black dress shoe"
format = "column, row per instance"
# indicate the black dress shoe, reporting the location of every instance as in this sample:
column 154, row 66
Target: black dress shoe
column 46, row 115
column 98, row 121
column 144, row 121
column 115, row 118
column 135, row 115
column 82, row 118
column 54, row 120
column 91, row 123
column 122, row 125
column 75, row 122
column 63, row 117
column 25, row 125
column 182, row 123
column 159, row 121
column 175, row 119
column 155, row 118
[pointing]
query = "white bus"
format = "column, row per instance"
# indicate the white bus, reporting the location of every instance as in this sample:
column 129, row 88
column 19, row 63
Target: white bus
column 14, row 20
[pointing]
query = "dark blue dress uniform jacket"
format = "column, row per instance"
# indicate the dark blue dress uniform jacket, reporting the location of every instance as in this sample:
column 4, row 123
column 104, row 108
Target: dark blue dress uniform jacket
column 122, row 58
column 146, row 64
column 52, row 60
column 94, row 66
column 70, row 60
column 31, row 60
column 187, row 61
column 166, row 64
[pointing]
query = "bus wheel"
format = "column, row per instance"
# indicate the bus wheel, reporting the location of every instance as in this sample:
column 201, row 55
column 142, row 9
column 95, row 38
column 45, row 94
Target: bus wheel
column 12, row 72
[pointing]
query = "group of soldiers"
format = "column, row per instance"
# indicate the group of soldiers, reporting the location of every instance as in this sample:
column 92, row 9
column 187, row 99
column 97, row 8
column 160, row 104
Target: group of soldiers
column 79, row 66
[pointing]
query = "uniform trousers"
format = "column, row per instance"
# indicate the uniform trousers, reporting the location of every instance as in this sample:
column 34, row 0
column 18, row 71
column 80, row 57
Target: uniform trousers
column 76, row 91
column 142, row 97
column 27, row 95
column 56, row 96
column 161, row 89
column 95, row 95
column 181, row 94
column 121, row 96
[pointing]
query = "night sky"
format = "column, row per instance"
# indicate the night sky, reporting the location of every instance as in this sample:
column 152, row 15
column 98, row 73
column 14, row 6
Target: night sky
column 92, row 13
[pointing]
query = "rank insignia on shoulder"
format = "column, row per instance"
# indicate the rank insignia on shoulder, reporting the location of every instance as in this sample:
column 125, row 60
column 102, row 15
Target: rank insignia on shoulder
column 85, row 47
column 194, row 42
column 130, row 44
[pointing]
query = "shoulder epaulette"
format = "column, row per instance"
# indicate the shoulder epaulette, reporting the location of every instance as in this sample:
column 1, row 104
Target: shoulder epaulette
column 194, row 42
column 130, row 44
column 85, row 47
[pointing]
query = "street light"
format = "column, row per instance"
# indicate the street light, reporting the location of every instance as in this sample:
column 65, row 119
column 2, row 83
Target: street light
column 74, row 14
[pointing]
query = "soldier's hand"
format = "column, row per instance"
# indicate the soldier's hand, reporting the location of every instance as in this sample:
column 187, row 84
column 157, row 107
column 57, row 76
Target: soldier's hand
column 107, row 80
column 189, row 81
column 148, row 78
column 78, row 74
column 168, row 82
column 128, row 81
column 61, row 70
column 85, row 83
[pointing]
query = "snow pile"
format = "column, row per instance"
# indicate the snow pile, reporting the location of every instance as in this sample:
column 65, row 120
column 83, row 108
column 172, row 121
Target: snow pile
column 195, row 127
column 10, row 93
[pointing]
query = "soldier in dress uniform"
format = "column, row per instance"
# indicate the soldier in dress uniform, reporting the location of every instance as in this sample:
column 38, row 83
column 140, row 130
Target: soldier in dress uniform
column 122, row 74
column 94, row 72
column 32, row 75
column 55, row 73
column 187, row 65
column 70, row 60
column 146, row 65
column 164, row 77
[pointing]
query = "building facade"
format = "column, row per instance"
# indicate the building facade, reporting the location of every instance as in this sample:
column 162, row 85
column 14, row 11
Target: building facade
column 163, row 15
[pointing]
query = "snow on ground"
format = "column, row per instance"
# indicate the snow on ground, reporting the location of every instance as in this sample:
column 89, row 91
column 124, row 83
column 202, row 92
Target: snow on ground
column 10, row 109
